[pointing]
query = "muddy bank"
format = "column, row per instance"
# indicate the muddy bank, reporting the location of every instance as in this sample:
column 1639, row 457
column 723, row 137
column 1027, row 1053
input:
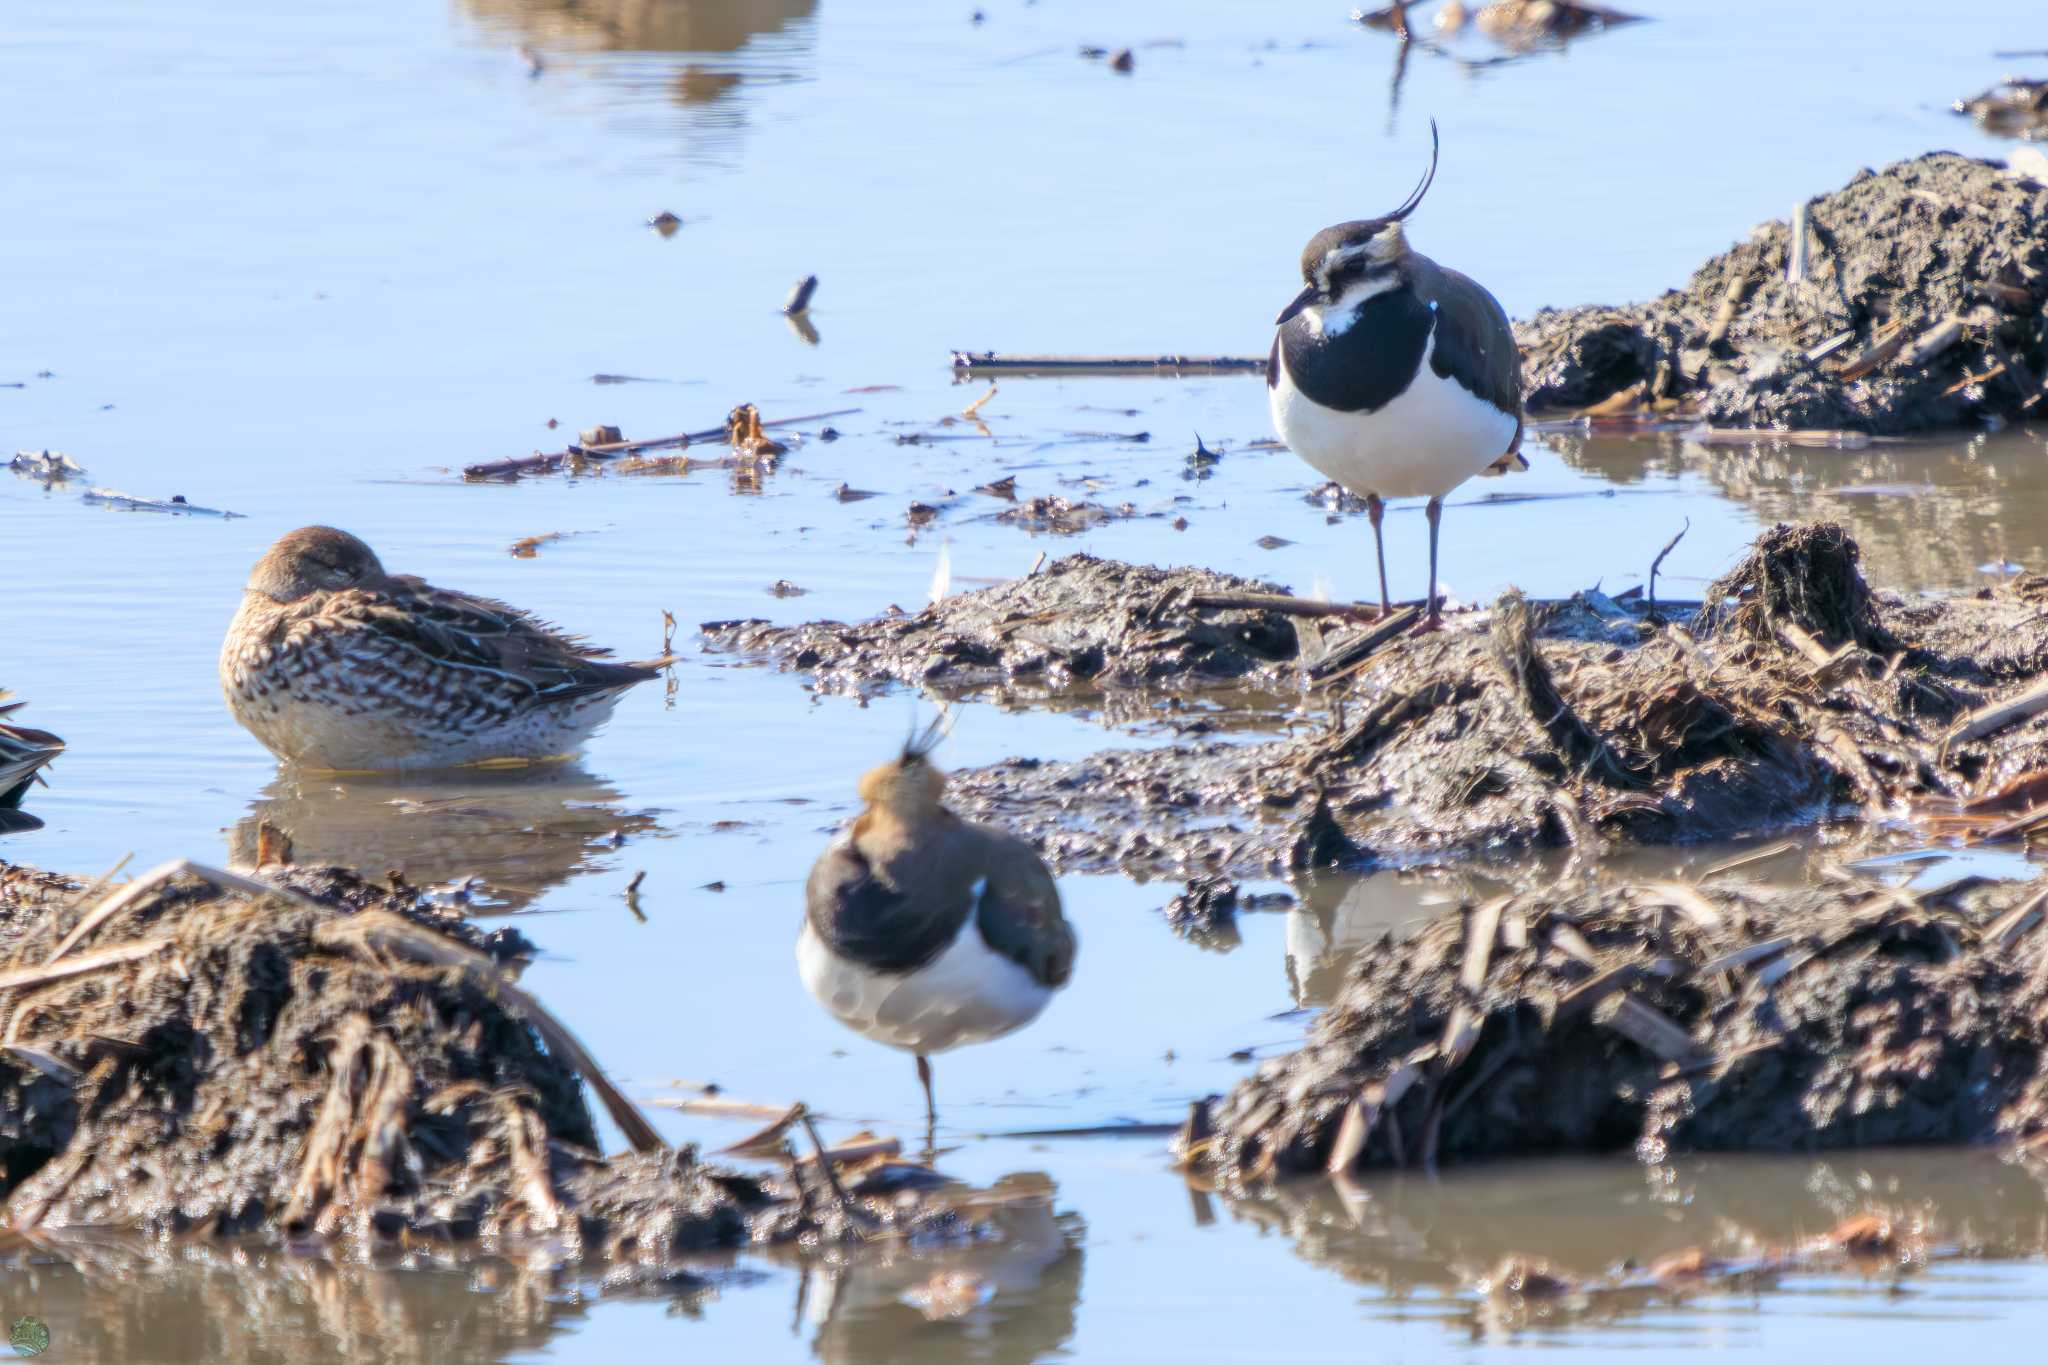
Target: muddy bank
column 1920, row 308
column 1665, row 1017
column 1078, row 621
column 314, row 1061
column 1797, row 693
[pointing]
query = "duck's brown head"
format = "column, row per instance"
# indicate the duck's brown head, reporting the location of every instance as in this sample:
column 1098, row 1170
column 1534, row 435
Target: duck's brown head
column 314, row 559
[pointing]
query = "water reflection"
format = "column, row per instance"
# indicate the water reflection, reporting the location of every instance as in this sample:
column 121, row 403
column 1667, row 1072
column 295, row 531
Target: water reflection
column 1928, row 514
column 722, row 28
column 111, row 1304
column 1339, row 916
column 522, row 831
column 1015, row 1298
column 1412, row 1238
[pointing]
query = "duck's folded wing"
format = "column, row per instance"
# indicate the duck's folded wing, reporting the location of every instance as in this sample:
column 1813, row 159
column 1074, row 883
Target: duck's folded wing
column 881, row 926
column 475, row 633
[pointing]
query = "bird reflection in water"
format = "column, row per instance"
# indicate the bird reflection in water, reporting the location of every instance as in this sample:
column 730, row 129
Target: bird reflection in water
column 723, row 29
column 1013, row 1297
column 521, row 831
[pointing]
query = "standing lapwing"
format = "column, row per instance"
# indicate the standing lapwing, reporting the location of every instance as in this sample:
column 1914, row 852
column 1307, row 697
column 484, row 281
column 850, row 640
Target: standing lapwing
column 925, row 931
column 1392, row 375
column 334, row 663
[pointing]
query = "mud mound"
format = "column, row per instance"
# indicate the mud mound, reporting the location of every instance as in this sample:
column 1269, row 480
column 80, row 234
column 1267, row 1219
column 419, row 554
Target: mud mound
column 1798, row 693
column 312, row 1060
column 1802, row 575
column 1664, row 1017
column 1921, row 308
column 1081, row 620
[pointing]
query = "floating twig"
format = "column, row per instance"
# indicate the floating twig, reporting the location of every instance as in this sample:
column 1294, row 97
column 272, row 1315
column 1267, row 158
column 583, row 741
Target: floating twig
column 541, row 463
column 982, row 362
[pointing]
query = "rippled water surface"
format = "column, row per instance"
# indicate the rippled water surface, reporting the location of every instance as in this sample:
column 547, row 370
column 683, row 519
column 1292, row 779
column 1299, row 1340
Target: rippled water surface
column 302, row 263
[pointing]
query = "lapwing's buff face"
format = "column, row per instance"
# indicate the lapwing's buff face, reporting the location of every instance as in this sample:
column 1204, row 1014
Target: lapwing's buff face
column 1344, row 265
column 314, row 559
column 908, row 788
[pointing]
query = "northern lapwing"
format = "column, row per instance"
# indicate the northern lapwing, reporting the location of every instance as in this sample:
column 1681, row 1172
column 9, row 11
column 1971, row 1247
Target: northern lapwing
column 1393, row 375
column 925, row 931
column 333, row 663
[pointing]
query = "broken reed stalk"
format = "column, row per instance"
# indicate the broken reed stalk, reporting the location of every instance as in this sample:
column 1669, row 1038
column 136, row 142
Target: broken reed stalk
column 541, row 463
column 994, row 362
column 1657, row 564
column 383, row 931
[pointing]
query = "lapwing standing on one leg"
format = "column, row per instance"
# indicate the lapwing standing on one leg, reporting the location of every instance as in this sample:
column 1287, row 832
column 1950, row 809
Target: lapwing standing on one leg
column 1393, row 375
column 925, row 931
column 334, row 663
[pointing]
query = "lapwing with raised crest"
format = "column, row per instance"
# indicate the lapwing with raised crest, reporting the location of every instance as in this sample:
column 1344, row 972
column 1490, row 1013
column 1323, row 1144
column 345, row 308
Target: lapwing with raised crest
column 1393, row 375
column 928, row 932
column 334, row 663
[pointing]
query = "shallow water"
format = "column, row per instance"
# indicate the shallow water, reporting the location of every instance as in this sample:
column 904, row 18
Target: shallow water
column 301, row 264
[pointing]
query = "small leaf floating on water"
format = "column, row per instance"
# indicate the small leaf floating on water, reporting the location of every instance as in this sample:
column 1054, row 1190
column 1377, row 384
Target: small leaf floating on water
column 1004, row 488
column 528, row 547
column 782, row 587
column 712, row 886
column 1123, row 63
column 847, row 493
column 665, row 223
column 1271, row 542
column 920, row 513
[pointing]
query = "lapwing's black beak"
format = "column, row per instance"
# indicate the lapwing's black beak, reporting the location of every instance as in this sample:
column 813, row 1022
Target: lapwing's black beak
column 1302, row 300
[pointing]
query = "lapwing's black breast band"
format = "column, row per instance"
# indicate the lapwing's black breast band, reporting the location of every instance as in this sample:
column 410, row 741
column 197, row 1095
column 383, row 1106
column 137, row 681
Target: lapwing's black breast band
column 1367, row 365
column 865, row 920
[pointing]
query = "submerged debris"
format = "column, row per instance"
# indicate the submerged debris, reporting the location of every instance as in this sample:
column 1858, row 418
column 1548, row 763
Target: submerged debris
column 1914, row 301
column 1667, row 1017
column 313, row 1059
column 46, row 466
column 1206, row 912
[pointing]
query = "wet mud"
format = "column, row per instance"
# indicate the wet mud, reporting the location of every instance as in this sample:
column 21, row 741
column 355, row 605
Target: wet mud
column 317, row 1062
column 1078, row 621
column 1793, row 695
column 1662, row 1018
column 1920, row 307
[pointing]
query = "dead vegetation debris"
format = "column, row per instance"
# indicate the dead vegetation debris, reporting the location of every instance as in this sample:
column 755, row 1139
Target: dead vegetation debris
column 1664, row 1017
column 313, row 1060
column 1078, row 620
column 1794, row 694
column 1909, row 300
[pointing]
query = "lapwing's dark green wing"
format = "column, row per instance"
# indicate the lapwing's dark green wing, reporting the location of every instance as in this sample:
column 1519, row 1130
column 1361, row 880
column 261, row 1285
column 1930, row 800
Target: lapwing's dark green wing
column 881, row 926
column 1019, row 913
column 1475, row 346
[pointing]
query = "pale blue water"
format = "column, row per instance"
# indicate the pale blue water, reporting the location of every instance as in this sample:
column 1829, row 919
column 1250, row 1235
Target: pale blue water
column 299, row 263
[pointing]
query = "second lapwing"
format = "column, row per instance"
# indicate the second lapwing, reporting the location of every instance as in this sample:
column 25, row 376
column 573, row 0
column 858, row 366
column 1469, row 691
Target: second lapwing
column 1393, row 375
column 925, row 931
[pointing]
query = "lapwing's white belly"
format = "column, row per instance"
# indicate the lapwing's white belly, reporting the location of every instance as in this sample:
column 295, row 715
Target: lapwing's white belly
column 1432, row 437
column 968, row 994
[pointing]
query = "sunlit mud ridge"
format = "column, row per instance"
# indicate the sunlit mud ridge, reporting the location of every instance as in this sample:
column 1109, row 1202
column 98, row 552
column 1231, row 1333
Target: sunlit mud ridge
column 309, row 1060
column 1793, row 695
column 1664, row 1017
column 1914, row 302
